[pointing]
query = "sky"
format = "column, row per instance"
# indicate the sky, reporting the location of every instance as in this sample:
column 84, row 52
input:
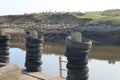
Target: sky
column 11, row 7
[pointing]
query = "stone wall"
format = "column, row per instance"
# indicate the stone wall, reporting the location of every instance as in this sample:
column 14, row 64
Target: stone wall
column 10, row 72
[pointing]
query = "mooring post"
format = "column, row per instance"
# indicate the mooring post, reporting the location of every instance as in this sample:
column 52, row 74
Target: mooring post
column 77, row 49
column 4, row 49
column 33, row 51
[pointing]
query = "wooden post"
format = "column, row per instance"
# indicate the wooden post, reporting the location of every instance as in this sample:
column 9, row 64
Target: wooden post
column 76, row 36
column 60, row 67
column 34, row 34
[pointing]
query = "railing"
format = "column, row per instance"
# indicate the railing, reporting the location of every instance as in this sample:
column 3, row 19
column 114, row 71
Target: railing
column 60, row 67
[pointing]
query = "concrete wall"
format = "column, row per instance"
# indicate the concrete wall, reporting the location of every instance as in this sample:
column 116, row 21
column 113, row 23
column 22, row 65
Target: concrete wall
column 10, row 72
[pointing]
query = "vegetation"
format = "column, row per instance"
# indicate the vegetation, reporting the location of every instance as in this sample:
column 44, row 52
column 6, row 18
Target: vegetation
column 111, row 17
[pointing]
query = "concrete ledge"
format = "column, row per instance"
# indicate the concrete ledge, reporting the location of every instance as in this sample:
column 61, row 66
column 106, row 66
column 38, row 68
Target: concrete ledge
column 38, row 76
column 10, row 72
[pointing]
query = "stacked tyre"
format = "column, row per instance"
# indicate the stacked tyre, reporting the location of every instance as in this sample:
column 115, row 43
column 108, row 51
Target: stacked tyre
column 77, row 56
column 33, row 54
column 4, row 49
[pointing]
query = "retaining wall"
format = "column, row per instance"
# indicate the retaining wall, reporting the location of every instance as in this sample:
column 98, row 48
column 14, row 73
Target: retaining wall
column 10, row 72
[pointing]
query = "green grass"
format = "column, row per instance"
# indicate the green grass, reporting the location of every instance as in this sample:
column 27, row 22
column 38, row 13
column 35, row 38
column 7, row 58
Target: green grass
column 111, row 17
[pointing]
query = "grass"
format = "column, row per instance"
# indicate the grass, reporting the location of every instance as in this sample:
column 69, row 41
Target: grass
column 111, row 17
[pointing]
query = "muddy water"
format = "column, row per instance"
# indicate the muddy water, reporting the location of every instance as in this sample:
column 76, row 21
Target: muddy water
column 104, row 61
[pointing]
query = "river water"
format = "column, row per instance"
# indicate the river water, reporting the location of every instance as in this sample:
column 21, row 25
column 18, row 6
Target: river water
column 104, row 61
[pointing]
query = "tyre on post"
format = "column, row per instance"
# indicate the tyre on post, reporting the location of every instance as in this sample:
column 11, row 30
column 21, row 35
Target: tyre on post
column 77, row 50
column 4, row 49
column 33, row 54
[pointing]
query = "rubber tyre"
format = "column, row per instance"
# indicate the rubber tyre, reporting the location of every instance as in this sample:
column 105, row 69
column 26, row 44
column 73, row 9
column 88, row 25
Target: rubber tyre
column 4, row 48
column 85, row 44
column 77, row 55
column 77, row 59
column 34, row 55
column 4, row 54
column 34, row 50
column 4, row 51
column 78, row 75
column 33, row 58
column 77, row 51
column 4, row 38
column 4, row 44
column 34, row 40
column 3, row 64
column 33, row 69
column 4, row 60
column 33, row 63
column 74, row 62
column 78, row 63
column 33, row 45
column 75, row 67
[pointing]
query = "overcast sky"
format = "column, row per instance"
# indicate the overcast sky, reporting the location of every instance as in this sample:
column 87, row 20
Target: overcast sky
column 32, row 6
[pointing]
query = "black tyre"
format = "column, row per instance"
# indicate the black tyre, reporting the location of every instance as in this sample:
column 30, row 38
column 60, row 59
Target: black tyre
column 4, row 38
column 33, row 68
column 82, row 71
column 3, row 64
column 78, row 62
column 77, row 59
column 78, row 74
column 85, row 44
column 4, row 48
column 39, row 49
column 4, row 60
column 77, row 77
column 33, row 45
column 72, row 50
column 75, row 67
column 33, row 40
column 34, row 55
column 4, row 44
column 33, row 58
column 33, row 63
column 4, row 51
column 4, row 54
column 77, row 55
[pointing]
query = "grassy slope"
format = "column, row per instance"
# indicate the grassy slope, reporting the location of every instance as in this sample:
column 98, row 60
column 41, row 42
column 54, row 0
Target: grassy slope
column 111, row 17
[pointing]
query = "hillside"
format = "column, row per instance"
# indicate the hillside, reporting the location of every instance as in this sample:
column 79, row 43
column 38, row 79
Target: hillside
column 56, row 26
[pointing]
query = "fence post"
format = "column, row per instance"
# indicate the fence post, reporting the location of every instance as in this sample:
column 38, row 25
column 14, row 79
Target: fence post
column 77, row 49
column 60, row 67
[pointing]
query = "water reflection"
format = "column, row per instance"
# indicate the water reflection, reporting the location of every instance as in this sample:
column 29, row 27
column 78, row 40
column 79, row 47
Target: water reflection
column 103, row 61
column 109, row 53
column 98, row 69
